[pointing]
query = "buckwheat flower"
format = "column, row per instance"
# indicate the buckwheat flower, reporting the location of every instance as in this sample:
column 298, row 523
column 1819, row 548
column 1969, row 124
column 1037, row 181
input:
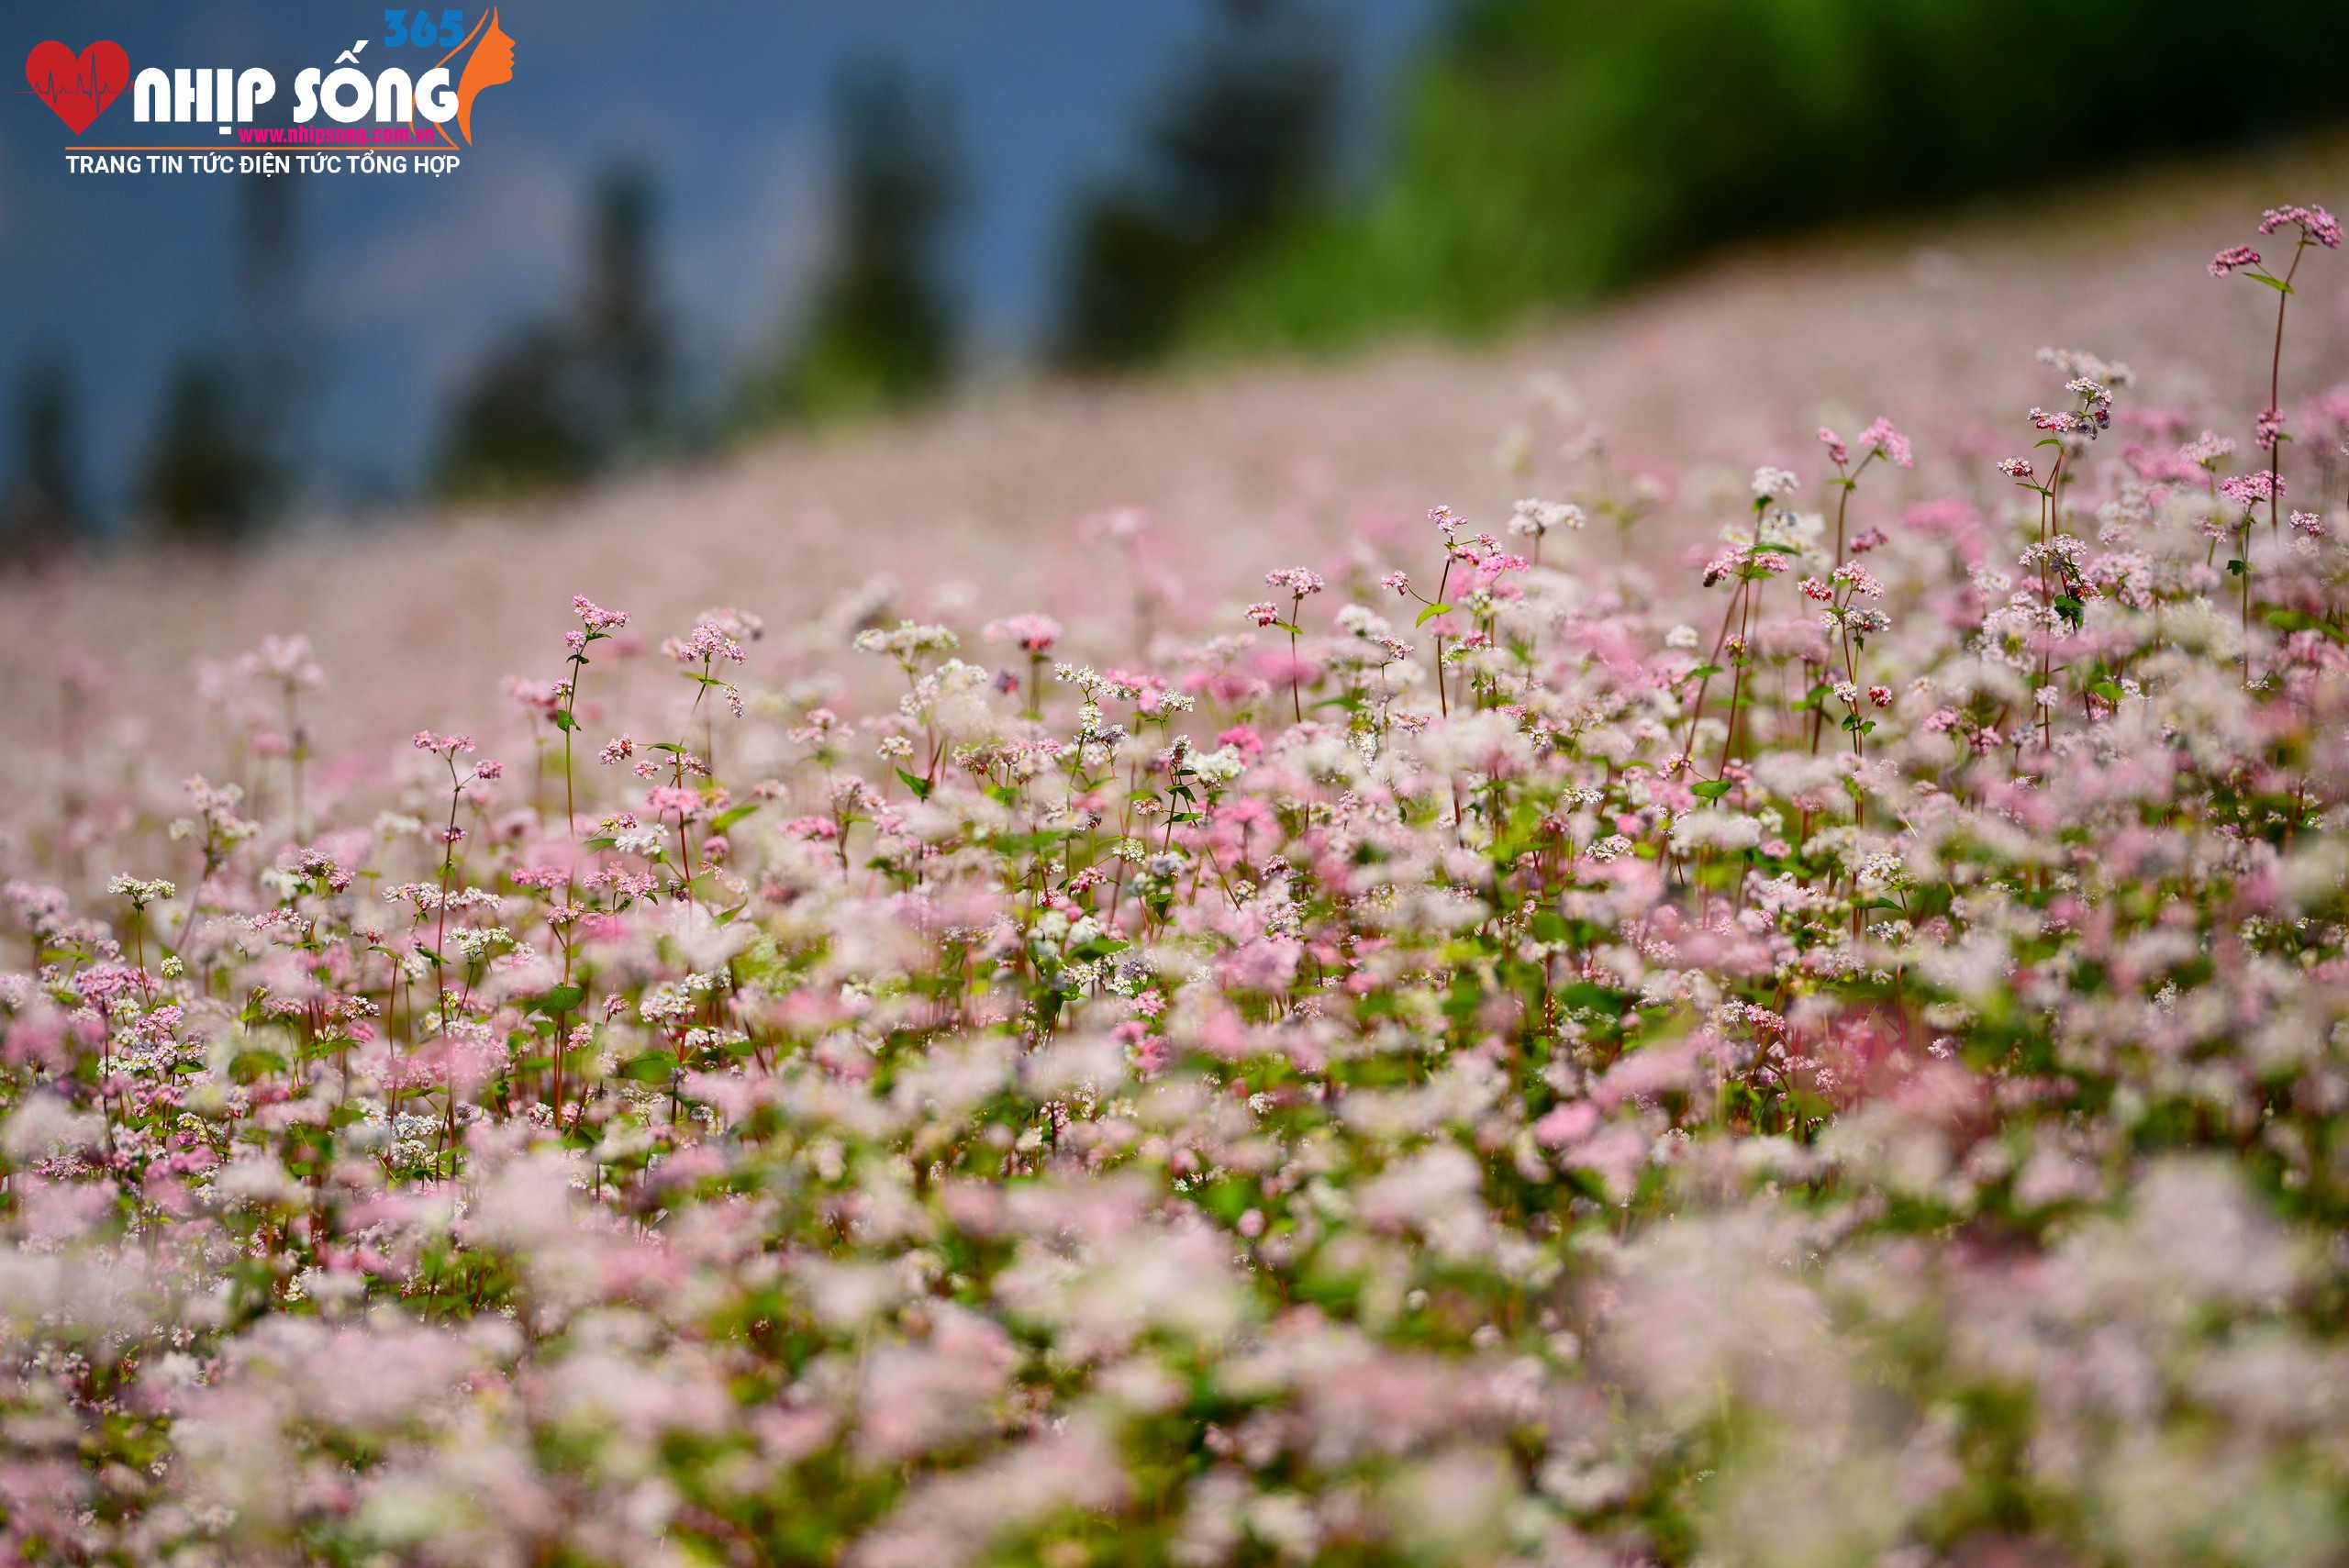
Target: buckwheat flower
column 708, row 643
column 596, row 617
column 908, row 641
column 2315, row 224
column 1837, row 453
column 2206, row 450
column 1032, row 633
column 2047, row 696
column 1296, row 579
column 1262, row 613
column 1396, row 581
column 1880, row 695
column 2249, row 489
column 1770, row 482
column 139, row 891
column 1881, row 437
column 1812, row 588
column 285, row 660
column 893, row 748
column 1683, row 636
column 1858, row 579
column 734, row 623
column 2308, row 523
column 1941, row 721
column 2267, row 428
column 1539, row 517
column 1869, row 538
column 619, row 749
column 1847, row 692
column 2232, row 257
column 1447, row 521
column 2018, row 468
column 489, row 770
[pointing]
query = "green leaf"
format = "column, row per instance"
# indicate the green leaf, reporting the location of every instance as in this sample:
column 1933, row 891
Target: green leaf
column 2235, row 567
column 652, row 1067
column 1430, row 613
column 561, row 999
column 2109, row 690
column 2300, row 620
column 1710, row 789
column 916, row 783
column 1702, row 672
column 1582, row 994
column 563, row 719
column 2278, row 284
column 1549, row 925
column 731, row 815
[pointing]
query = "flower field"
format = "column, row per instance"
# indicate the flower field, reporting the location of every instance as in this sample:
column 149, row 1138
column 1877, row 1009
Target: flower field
column 1794, row 1015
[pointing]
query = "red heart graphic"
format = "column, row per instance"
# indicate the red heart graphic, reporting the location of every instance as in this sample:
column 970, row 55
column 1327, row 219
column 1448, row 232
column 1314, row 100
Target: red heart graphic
column 78, row 87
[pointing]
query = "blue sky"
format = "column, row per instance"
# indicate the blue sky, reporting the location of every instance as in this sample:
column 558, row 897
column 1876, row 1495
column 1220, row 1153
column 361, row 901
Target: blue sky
column 403, row 279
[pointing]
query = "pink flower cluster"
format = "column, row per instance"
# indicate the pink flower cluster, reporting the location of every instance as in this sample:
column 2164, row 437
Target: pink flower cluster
column 1853, row 1072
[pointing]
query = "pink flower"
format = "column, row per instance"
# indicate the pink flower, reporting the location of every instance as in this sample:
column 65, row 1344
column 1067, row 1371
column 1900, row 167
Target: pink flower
column 2018, row 468
column 598, row 619
column 1837, row 453
column 1032, row 633
column 1880, row 695
column 1881, row 438
column 2233, row 256
column 2316, row 224
column 1296, row 579
column 1262, row 613
column 2267, row 428
column 2248, row 489
column 708, row 642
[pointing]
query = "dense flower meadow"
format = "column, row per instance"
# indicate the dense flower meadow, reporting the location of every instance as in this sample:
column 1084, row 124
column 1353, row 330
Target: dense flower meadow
column 1841, row 1057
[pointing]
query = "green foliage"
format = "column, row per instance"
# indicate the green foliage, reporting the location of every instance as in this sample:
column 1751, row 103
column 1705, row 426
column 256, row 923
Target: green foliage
column 207, row 478
column 882, row 333
column 1238, row 146
column 1556, row 151
column 564, row 398
column 44, row 506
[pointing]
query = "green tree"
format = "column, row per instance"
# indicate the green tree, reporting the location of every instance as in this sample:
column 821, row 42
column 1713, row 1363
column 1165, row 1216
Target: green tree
column 1556, row 150
column 46, row 510
column 881, row 333
column 206, row 480
column 560, row 399
column 1242, row 141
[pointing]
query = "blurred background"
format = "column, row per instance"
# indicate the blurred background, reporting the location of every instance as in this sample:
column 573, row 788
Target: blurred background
column 684, row 229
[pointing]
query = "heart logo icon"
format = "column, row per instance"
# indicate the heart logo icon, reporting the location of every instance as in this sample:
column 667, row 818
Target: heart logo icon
column 79, row 87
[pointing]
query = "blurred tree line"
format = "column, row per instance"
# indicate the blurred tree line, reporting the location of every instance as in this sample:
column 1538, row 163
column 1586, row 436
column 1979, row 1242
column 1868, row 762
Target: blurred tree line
column 596, row 384
column 1548, row 152
column 1553, row 151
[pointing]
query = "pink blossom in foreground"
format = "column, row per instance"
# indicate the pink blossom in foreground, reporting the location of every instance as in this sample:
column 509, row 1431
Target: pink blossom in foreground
column 1653, row 1066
